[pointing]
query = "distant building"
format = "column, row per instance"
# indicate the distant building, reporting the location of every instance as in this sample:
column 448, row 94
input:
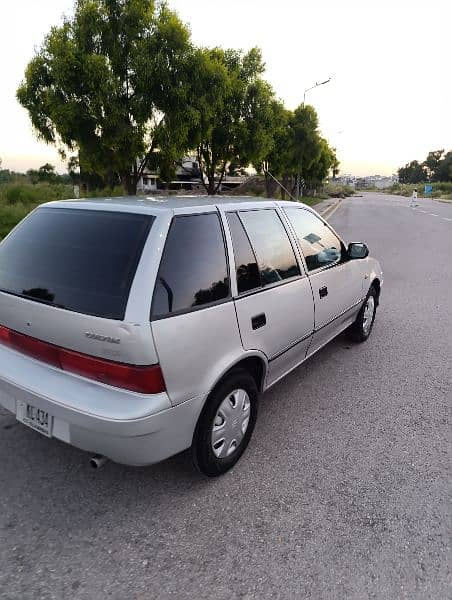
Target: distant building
column 369, row 181
column 384, row 182
column 188, row 177
column 147, row 182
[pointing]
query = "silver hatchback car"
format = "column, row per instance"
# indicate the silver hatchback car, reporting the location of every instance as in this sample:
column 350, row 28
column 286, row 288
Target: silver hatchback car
column 135, row 328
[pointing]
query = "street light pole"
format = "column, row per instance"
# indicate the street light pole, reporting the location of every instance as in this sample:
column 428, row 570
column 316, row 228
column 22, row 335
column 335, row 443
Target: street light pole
column 314, row 86
column 304, row 98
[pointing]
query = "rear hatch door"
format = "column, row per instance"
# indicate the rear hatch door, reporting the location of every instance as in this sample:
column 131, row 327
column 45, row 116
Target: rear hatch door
column 65, row 278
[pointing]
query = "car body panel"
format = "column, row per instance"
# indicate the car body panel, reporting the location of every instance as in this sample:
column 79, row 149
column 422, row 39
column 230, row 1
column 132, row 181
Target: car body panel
column 344, row 284
column 289, row 314
column 194, row 347
column 79, row 332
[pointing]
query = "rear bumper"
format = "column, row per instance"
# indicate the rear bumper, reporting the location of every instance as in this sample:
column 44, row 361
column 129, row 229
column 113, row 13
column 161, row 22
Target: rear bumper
column 127, row 427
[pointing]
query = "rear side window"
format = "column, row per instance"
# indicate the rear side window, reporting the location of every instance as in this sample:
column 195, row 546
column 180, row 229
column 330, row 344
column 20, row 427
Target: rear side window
column 193, row 270
column 320, row 246
column 274, row 252
column 247, row 271
column 81, row 260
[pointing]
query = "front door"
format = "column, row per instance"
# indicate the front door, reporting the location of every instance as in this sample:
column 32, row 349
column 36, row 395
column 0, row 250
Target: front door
column 337, row 285
column 274, row 301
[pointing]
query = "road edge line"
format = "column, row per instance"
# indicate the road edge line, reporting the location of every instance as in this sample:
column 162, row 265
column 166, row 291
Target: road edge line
column 326, row 215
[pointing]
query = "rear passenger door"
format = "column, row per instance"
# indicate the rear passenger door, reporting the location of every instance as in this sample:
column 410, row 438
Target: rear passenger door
column 193, row 316
column 274, row 301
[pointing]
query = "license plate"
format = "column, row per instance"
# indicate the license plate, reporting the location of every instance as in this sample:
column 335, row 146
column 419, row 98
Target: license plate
column 34, row 417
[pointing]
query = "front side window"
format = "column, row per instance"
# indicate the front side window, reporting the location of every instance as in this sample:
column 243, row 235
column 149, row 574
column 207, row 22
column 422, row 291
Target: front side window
column 193, row 270
column 321, row 248
column 274, row 252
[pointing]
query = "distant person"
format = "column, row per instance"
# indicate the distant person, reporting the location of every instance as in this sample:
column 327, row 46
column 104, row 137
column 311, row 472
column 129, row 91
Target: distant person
column 413, row 202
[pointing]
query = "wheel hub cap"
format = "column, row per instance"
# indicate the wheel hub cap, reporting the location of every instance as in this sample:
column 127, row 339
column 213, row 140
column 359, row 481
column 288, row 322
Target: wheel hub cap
column 230, row 423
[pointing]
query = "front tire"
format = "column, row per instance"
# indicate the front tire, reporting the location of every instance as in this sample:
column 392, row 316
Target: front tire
column 362, row 327
column 226, row 424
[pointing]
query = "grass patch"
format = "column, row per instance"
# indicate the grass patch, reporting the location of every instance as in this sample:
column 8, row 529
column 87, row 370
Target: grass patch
column 17, row 199
column 338, row 190
column 441, row 189
column 10, row 216
column 312, row 200
column 27, row 194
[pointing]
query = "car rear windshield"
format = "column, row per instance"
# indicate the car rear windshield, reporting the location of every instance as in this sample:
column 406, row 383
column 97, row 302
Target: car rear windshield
column 80, row 260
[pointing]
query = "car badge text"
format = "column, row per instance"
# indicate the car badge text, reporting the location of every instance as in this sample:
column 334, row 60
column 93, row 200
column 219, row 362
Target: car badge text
column 102, row 338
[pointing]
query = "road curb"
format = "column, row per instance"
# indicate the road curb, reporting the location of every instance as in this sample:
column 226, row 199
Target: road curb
column 326, row 214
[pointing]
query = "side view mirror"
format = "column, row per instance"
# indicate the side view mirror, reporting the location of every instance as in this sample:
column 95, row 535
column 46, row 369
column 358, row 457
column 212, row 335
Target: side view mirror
column 357, row 250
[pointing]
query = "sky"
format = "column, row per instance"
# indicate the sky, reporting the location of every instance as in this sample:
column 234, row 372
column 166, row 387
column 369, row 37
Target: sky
column 389, row 64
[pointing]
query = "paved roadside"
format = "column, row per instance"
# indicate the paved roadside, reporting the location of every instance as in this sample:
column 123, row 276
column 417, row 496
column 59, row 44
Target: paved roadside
column 326, row 207
column 426, row 206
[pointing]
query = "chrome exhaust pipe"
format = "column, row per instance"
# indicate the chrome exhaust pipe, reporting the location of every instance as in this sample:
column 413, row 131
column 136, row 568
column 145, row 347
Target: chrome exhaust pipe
column 97, row 461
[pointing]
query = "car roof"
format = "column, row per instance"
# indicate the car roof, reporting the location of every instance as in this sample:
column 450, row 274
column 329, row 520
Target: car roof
column 156, row 204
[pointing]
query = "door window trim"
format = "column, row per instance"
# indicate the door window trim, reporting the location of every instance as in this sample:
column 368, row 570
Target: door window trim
column 199, row 307
column 256, row 289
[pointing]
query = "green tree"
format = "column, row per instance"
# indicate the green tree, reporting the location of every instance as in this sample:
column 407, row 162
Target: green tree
column 277, row 159
column 306, row 149
column 111, row 84
column 233, row 104
column 444, row 169
column 47, row 173
column 325, row 160
column 297, row 153
column 334, row 164
column 412, row 172
column 432, row 164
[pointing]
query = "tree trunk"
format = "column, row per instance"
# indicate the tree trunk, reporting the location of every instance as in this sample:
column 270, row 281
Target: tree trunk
column 220, row 181
column 132, row 187
column 267, row 184
column 286, row 181
column 270, row 186
column 211, row 186
column 110, row 178
column 129, row 183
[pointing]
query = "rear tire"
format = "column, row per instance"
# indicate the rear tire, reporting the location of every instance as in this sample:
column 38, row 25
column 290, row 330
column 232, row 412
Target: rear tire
column 226, row 424
column 361, row 329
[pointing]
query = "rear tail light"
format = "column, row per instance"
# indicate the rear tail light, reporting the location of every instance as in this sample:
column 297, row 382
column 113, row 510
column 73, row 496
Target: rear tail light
column 145, row 379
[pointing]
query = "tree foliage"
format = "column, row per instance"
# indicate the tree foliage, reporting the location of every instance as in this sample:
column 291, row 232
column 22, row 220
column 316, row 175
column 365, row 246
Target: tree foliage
column 297, row 153
column 121, row 87
column 109, row 83
column 412, row 172
column 234, row 125
column 436, row 167
column 443, row 171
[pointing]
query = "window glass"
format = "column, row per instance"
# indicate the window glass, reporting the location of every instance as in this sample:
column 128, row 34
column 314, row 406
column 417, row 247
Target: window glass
column 319, row 244
column 274, row 252
column 248, row 277
column 193, row 269
column 80, row 260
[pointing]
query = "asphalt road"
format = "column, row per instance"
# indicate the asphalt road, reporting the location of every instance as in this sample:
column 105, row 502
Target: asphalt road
column 344, row 492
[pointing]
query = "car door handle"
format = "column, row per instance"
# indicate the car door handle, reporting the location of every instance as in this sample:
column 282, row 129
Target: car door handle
column 323, row 291
column 258, row 321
